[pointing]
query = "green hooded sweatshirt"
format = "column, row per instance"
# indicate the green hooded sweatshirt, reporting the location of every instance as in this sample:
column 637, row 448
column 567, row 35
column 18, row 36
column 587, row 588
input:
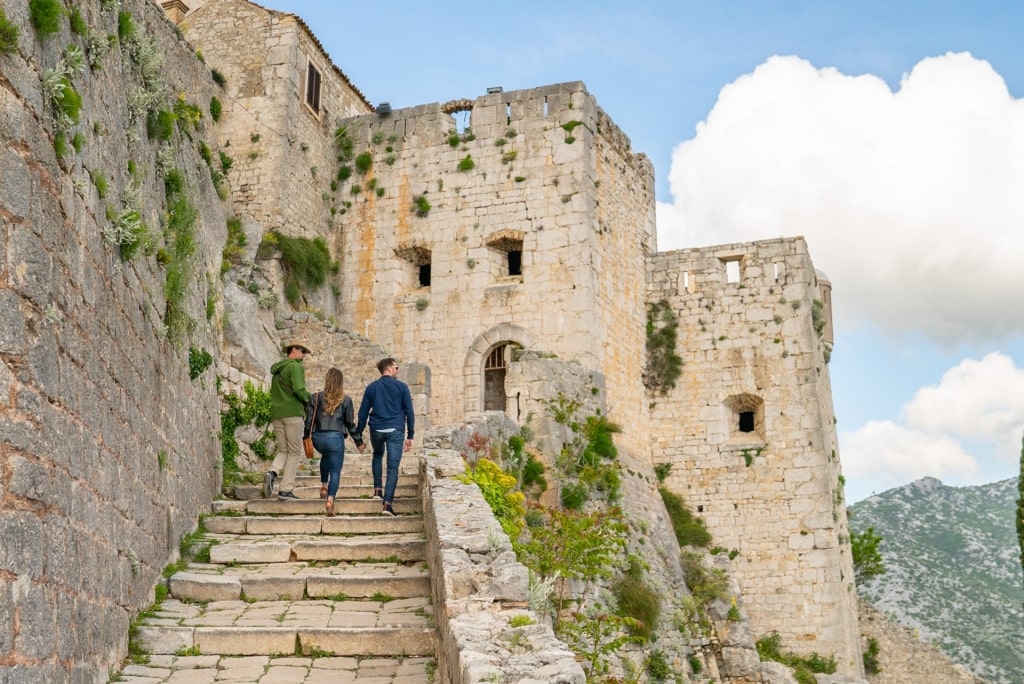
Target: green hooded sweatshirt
column 288, row 394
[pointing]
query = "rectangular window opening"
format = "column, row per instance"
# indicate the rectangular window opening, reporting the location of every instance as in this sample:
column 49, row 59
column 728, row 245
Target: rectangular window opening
column 515, row 262
column 775, row 272
column 508, row 112
column 424, row 275
column 746, row 421
column 313, row 81
column 545, row 107
column 732, row 271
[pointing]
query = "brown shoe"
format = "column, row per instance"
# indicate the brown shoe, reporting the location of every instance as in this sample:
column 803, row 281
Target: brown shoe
column 329, row 506
column 323, row 490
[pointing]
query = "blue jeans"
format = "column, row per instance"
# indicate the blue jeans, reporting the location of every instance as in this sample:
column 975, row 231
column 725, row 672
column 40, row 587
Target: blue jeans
column 331, row 446
column 395, row 443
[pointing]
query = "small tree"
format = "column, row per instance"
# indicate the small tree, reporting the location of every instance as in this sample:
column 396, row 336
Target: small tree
column 867, row 561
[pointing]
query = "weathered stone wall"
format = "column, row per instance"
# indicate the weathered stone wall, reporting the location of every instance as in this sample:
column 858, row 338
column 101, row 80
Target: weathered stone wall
column 570, row 195
column 768, row 482
column 108, row 451
column 282, row 150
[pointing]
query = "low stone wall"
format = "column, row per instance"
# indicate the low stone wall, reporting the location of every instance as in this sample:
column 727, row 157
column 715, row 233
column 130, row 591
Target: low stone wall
column 479, row 586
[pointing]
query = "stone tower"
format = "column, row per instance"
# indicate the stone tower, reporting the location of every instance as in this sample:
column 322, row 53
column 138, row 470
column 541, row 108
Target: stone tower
column 525, row 227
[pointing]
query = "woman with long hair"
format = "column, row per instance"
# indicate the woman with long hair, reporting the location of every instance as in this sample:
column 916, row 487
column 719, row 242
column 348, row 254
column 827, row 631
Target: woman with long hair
column 330, row 416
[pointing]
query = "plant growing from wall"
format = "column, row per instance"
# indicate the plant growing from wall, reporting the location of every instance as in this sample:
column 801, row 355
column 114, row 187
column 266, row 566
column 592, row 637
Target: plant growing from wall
column 45, row 16
column 215, row 108
column 466, row 164
column 234, row 246
column 688, row 528
column 252, row 408
column 363, row 162
column 218, row 78
column 870, row 657
column 8, row 34
column 421, row 206
column 804, row 668
column 499, row 490
column 306, row 263
column 198, row 361
column 635, row 599
column 664, row 365
column 181, row 247
column 79, row 27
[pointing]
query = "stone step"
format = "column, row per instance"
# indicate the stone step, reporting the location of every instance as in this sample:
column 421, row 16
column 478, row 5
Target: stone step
column 309, row 488
column 313, row 506
column 306, row 524
column 338, row 628
column 284, row 548
column 174, row 669
column 201, row 582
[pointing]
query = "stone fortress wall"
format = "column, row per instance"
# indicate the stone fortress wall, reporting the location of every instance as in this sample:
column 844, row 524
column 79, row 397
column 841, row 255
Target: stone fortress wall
column 749, row 431
column 108, row 450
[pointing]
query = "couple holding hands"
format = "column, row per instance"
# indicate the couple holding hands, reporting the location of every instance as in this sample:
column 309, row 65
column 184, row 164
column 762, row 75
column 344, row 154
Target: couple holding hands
column 328, row 416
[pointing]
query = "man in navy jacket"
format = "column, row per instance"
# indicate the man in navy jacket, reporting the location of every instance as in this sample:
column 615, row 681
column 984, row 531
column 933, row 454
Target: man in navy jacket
column 387, row 405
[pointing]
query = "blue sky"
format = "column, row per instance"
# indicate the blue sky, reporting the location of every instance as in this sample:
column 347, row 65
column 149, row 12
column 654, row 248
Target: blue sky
column 889, row 134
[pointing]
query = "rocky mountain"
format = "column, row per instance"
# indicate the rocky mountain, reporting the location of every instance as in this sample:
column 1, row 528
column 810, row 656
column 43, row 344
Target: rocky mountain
column 952, row 570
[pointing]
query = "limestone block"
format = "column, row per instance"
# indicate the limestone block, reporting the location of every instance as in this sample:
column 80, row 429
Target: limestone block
column 273, row 588
column 776, row 673
column 244, row 640
column 204, row 587
column 165, row 640
column 801, row 542
column 250, row 552
column 739, row 662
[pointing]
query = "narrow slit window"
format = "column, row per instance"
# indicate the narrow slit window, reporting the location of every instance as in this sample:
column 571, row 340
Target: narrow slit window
column 313, row 83
column 508, row 112
column 746, row 421
column 775, row 272
column 545, row 107
column 424, row 275
column 515, row 262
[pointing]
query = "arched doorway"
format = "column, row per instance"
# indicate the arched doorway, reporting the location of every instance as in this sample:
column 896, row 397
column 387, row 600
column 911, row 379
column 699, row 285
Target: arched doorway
column 495, row 368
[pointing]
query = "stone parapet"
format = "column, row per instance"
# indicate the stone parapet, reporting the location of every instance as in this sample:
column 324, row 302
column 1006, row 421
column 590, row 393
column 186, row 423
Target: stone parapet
column 479, row 587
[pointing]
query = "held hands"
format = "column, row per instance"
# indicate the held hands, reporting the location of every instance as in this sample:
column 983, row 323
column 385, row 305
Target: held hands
column 408, row 445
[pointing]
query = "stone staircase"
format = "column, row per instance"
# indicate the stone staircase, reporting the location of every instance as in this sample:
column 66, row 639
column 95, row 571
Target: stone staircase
column 290, row 596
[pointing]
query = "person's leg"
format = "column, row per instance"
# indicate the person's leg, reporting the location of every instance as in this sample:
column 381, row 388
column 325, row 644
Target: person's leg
column 377, row 442
column 395, row 444
column 280, row 456
column 293, row 441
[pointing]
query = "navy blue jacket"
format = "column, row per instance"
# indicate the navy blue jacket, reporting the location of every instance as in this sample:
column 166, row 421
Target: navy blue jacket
column 387, row 403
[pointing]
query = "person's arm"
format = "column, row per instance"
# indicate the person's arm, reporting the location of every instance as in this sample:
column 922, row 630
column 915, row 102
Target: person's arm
column 298, row 380
column 348, row 418
column 364, row 412
column 308, row 425
column 410, row 415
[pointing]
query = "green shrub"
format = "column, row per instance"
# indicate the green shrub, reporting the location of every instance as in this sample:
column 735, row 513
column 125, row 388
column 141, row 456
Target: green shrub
column 125, row 27
column 804, row 668
column 8, row 35
column 466, row 163
column 78, row 25
column 45, row 16
column 305, row 263
column 218, row 78
column 421, row 205
column 174, row 182
column 215, row 108
column 160, row 124
column 636, row 600
column 363, row 162
column 499, row 490
column 867, row 560
column 664, row 366
column 870, row 657
column 574, row 495
column 251, row 409
column 100, row 181
column 198, row 361
column 689, row 529
column 657, row 666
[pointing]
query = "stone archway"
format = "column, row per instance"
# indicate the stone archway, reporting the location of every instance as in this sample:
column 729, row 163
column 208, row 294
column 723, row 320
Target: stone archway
column 500, row 337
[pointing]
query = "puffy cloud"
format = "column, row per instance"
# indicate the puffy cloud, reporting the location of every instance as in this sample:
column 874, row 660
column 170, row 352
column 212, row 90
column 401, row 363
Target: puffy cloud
column 910, row 200
column 976, row 400
column 889, row 455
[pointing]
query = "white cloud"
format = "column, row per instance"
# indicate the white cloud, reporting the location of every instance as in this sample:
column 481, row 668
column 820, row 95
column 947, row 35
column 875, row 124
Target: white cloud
column 976, row 400
column 890, row 455
column 910, row 200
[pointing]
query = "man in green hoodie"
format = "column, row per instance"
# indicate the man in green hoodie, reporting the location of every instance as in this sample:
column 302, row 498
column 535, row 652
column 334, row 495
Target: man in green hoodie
column 288, row 399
